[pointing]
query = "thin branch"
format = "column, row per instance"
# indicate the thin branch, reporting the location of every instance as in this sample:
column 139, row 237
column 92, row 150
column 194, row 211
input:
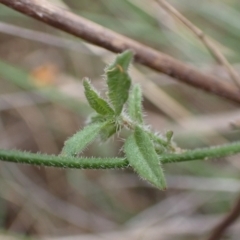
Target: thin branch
column 216, row 53
column 100, row 36
column 226, row 222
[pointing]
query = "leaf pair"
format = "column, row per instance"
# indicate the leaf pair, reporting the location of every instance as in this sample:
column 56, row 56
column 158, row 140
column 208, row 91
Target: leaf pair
column 118, row 82
column 103, row 123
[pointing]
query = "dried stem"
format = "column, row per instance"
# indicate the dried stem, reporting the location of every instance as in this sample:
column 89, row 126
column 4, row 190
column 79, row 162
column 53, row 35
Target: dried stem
column 226, row 222
column 93, row 33
column 212, row 48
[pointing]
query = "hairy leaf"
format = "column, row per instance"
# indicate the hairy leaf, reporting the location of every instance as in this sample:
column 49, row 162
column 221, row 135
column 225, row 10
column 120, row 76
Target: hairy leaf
column 97, row 118
column 80, row 140
column 142, row 157
column 108, row 130
column 135, row 104
column 118, row 81
column 95, row 101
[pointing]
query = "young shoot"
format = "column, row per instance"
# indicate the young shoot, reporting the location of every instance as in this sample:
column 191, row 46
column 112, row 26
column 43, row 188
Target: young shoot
column 144, row 150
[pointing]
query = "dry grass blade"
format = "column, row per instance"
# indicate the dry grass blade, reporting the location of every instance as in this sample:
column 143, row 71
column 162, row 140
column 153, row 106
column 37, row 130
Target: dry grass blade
column 216, row 53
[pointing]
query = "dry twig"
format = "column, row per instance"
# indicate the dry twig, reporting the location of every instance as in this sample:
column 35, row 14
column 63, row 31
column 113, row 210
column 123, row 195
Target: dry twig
column 212, row 48
column 100, row 36
column 226, row 222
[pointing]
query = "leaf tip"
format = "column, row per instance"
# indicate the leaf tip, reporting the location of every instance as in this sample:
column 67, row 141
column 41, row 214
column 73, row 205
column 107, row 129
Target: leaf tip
column 122, row 61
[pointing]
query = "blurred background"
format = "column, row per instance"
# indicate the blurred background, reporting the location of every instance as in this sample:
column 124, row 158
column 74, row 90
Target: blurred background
column 42, row 104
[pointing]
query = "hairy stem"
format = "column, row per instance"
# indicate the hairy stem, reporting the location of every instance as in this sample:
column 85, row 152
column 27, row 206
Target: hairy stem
column 129, row 124
column 61, row 161
column 108, row 163
column 202, row 153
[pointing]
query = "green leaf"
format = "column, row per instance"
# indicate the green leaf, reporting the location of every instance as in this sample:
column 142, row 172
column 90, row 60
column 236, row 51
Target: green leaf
column 80, row 140
column 118, row 81
column 108, row 130
column 135, row 104
column 142, row 157
column 95, row 101
column 97, row 118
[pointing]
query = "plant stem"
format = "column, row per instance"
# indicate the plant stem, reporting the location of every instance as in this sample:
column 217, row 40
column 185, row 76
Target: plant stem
column 108, row 163
column 202, row 153
column 61, row 161
column 157, row 139
column 129, row 124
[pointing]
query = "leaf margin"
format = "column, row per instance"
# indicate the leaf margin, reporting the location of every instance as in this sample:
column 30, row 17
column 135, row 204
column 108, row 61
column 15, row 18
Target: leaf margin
column 146, row 165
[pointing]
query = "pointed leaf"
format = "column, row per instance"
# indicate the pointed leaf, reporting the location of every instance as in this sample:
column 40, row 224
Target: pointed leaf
column 123, row 60
column 118, row 81
column 135, row 104
column 95, row 101
column 80, row 140
column 142, row 157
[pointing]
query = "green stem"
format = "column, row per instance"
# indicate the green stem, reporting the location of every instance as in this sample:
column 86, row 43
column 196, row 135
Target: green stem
column 60, row 161
column 202, row 153
column 108, row 163
column 157, row 139
column 131, row 125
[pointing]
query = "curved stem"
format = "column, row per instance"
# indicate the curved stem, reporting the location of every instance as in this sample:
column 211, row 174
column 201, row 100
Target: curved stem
column 108, row 163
